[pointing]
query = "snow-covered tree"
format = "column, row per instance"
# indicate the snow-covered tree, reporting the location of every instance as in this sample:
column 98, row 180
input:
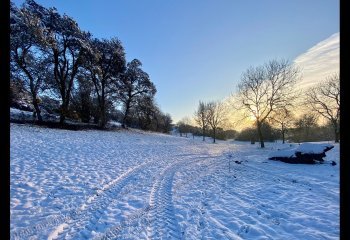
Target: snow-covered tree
column 27, row 60
column 104, row 65
column 133, row 83
column 64, row 44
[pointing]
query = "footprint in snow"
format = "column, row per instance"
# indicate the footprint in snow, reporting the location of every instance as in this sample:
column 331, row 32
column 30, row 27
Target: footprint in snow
column 243, row 230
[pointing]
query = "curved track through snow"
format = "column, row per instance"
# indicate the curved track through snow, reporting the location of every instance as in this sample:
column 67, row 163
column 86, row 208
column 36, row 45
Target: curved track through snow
column 90, row 210
column 158, row 215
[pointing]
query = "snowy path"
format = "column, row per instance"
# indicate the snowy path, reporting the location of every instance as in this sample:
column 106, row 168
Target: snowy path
column 135, row 185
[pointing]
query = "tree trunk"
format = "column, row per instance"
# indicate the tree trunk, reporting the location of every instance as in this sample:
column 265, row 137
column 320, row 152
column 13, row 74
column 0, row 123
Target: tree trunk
column 127, row 108
column 336, row 132
column 262, row 145
column 37, row 110
column 63, row 114
column 283, row 130
column 103, row 106
column 64, row 109
column 62, row 118
column 337, row 136
column 102, row 115
column 203, row 132
column 214, row 132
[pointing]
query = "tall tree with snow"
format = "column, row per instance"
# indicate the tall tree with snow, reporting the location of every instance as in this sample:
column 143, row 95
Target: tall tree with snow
column 64, row 43
column 104, row 65
column 133, row 83
column 28, row 62
column 324, row 99
column 267, row 88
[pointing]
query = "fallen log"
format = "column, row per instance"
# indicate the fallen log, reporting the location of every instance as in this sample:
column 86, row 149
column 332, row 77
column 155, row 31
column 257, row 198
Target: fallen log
column 306, row 153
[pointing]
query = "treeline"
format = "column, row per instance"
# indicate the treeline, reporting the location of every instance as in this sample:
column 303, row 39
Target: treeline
column 268, row 94
column 301, row 130
column 185, row 129
column 66, row 71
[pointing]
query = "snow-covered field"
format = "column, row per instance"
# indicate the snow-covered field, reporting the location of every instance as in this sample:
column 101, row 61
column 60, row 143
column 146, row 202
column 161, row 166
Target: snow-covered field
column 137, row 185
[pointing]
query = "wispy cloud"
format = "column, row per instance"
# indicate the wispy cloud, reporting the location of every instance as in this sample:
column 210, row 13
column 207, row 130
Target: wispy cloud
column 319, row 61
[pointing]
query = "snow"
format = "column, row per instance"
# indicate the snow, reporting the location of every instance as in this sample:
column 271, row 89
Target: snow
column 312, row 148
column 139, row 185
column 283, row 153
column 19, row 114
column 114, row 124
column 303, row 148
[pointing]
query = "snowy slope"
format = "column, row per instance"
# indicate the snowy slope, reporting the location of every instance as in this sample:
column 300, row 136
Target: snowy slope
column 136, row 185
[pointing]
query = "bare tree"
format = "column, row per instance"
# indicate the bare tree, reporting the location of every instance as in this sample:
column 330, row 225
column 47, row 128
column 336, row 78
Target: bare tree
column 201, row 118
column 216, row 116
column 283, row 118
column 267, row 88
column 325, row 100
column 184, row 126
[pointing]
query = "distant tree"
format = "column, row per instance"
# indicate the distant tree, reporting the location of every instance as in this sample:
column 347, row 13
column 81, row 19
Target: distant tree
column 167, row 120
column 247, row 134
column 104, row 65
column 184, row 126
column 133, row 83
column 145, row 111
column 283, row 118
column 201, row 117
column 324, row 99
column 231, row 133
column 304, row 126
column 216, row 116
column 27, row 59
column 250, row 134
column 163, row 122
column 265, row 89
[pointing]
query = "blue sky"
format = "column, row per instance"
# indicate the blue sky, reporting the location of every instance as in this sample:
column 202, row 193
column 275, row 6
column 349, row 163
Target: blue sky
column 197, row 50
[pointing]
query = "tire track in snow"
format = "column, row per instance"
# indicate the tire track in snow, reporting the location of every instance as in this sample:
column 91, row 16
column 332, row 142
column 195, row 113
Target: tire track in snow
column 163, row 223
column 162, row 220
column 114, row 232
column 93, row 204
column 92, row 211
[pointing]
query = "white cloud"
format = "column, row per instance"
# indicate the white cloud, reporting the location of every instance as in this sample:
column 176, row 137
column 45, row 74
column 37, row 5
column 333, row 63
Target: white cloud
column 319, row 61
